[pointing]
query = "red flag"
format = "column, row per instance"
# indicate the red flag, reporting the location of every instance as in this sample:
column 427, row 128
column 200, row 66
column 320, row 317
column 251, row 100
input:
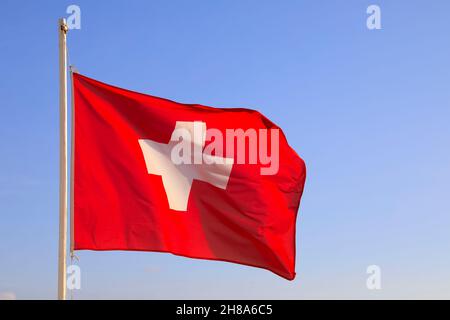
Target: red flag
column 151, row 174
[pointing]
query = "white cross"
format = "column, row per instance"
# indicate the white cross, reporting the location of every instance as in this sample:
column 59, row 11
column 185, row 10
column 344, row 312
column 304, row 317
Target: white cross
column 177, row 178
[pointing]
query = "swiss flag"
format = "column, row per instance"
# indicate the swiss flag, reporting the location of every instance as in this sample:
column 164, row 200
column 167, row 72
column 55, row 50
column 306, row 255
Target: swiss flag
column 136, row 186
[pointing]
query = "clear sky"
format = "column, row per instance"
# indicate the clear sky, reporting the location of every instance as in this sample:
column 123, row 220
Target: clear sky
column 368, row 111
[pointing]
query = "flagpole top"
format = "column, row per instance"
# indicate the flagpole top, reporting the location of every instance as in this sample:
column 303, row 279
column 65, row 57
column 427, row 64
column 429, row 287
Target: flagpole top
column 63, row 25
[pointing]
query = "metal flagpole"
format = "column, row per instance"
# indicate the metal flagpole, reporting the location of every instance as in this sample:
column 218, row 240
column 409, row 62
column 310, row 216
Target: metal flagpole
column 62, row 252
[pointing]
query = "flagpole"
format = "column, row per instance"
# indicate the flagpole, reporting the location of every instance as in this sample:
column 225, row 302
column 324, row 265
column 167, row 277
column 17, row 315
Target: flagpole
column 62, row 250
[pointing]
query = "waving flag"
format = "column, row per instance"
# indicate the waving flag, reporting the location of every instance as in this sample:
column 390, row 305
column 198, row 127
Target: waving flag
column 151, row 174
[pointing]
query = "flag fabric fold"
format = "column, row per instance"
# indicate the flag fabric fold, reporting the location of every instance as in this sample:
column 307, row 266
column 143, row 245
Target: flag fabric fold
column 137, row 187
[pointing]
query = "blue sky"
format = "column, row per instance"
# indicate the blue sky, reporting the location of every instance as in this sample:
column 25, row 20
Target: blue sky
column 368, row 111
